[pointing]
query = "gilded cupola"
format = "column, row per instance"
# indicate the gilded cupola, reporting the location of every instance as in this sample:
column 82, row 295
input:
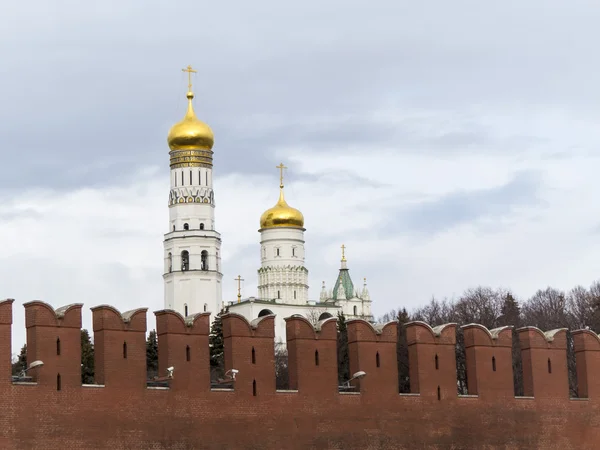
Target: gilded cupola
column 190, row 140
column 282, row 214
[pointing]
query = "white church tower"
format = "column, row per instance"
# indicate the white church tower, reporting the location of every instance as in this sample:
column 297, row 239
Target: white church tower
column 282, row 277
column 192, row 246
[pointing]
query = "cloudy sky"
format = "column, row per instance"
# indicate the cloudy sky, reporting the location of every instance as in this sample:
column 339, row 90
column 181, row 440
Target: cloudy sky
column 446, row 144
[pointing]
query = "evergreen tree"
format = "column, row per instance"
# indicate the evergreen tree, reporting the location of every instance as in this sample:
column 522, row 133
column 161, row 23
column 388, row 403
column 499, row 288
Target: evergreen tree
column 511, row 315
column 87, row 358
column 21, row 363
column 342, row 348
column 152, row 355
column 402, row 352
column 215, row 342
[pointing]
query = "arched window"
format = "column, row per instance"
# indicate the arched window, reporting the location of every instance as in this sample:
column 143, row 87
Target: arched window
column 377, row 359
column 173, row 227
column 264, row 312
column 439, row 393
column 254, row 388
column 205, row 307
column 293, row 251
column 58, row 382
column 58, row 346
column 277, row 251
column 185, row 310
column 437, row 366
column 202, row 226
column 549, row 366
column 187, row 353
column 253, row 356
column 355, row 310
column 325, row 315
column 186, row 226
column 494, row 363
column 204, row 260
column 191, row 182
column 316, row 357
column 294, row 295
column 185, row 260
column 278, row 294
column 124, row 350
column 170, row 262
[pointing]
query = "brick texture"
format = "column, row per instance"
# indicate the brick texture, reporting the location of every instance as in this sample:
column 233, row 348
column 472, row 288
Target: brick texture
column 123, row 413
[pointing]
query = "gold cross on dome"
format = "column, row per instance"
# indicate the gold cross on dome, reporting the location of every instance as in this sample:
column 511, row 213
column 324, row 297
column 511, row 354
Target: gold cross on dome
column 280, row 167
column 343, row 254
column 239, row 280
column 189, row 70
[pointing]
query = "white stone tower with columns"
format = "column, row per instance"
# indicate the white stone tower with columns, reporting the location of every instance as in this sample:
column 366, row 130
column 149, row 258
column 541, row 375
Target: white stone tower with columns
column 282, row 276
column 192, row 246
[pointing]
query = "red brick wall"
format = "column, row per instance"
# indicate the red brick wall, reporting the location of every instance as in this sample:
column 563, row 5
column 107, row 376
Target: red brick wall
column 124, row 414
column 182, row 343
column 489, row 361
column 312, row 355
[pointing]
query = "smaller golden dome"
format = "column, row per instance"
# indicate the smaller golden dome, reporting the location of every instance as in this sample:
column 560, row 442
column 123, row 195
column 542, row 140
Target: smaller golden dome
column 191, row 133
column 281, row 215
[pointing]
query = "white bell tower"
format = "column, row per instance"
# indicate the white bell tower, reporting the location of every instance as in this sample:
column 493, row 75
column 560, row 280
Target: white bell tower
column 192, row 246
column 282, row 277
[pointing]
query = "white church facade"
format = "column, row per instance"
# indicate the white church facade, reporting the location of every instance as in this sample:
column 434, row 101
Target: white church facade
column 192, row 246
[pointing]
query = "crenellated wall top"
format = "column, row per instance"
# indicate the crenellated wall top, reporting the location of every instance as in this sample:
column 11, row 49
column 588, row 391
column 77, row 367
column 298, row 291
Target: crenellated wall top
column 106, row 317
column 170, row 321
column 236, row 325
column 6, row 311
column 586, row 340
column 298, row 327
column 533, row 337
column 361, row 330
column 38, row 313
column 479, row 335
column 418, row 332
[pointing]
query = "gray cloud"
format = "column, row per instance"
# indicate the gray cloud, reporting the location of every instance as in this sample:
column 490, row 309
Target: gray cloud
column 99, row 103
column 458, row 208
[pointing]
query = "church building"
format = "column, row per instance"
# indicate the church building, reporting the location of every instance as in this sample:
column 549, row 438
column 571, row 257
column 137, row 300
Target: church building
column 192, row 263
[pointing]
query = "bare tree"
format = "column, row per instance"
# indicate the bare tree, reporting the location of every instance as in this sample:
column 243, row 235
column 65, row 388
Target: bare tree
column 482, row 305
column 549, row 309
column 282, row 379
column 580, row 307
column 435, row 312
column 313, row 315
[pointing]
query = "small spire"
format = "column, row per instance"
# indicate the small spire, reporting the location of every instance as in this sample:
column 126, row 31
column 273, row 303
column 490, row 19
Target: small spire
column 343, row 265
column 323, row 296
column 189, row 71
column 190, row 95
column 365, row 292
column 280, row 167
column 239, row 280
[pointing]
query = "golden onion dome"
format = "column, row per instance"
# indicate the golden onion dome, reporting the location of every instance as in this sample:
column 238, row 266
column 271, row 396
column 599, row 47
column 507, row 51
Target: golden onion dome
column 281, row 215
column 191, row 133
